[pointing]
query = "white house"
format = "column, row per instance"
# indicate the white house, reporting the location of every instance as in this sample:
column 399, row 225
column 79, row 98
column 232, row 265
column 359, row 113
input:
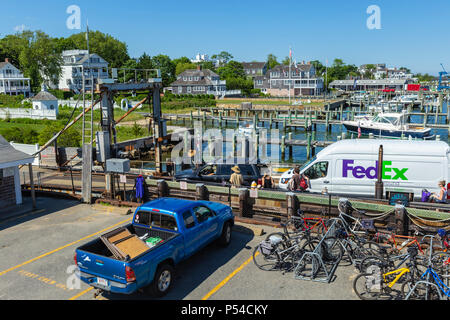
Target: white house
column 12, row 81
column 77, row 62
column 45, row 101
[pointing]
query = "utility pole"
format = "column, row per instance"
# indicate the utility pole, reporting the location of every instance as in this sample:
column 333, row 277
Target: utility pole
column 87, row 138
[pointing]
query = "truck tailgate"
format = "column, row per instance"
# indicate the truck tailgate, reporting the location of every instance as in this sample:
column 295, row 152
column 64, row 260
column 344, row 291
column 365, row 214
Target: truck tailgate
column 100, row 271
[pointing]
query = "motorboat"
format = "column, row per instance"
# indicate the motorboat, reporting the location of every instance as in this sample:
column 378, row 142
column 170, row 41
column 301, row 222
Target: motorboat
column 388, row 125
column 247, row 129
column 406, row 99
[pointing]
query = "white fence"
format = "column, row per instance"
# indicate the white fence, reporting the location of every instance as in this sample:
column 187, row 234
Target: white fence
column 73, row 104
column 13, row 113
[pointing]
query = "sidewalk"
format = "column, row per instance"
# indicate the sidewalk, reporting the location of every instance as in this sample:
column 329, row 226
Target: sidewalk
column 18, row 210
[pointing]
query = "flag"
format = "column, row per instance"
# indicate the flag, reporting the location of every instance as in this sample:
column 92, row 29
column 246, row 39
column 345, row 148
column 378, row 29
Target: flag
column 359, row 130
column 354, row 84
column 290, row 53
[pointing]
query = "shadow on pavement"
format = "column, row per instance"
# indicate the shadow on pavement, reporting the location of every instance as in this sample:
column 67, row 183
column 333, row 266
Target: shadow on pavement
column 15, row 215
column 195, row 270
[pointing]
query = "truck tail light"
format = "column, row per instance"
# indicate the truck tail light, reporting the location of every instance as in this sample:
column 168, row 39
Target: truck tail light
column 130, row 275
column 75, row 258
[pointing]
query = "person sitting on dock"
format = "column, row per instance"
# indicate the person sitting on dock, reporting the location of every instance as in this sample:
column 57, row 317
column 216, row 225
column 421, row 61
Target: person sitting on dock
column 236, row 179
column 267, row 182
column 442, row 196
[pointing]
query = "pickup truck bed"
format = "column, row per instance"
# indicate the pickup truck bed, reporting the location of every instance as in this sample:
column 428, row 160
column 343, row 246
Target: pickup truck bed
column 98, row 248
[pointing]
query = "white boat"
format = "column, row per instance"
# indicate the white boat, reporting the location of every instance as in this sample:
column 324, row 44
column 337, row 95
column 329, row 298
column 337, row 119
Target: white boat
column 387, row 125
column 248, row 129
column 406, row 99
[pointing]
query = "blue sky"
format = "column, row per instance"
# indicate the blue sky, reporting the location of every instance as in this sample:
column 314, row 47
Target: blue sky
column 413, row 33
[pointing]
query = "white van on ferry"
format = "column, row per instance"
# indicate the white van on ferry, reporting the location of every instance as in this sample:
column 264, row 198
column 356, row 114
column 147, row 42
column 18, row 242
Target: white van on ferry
column 350, row 167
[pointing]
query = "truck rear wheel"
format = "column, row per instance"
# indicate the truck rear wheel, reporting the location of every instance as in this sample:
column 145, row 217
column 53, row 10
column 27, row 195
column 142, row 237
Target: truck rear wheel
column 162, row 283
column 225, row 237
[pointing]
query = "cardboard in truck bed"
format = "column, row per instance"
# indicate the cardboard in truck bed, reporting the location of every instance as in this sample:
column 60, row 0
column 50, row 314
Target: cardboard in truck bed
column 122, row 243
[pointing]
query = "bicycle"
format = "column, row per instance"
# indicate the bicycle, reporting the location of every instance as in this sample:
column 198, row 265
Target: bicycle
column 396, row 243
column 378, row 280
column 427, row 290
column 442, row 245
column 353, row 236
column 279, row 252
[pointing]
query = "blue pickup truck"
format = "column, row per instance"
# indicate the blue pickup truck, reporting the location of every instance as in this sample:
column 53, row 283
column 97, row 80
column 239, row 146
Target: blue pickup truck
column 182, row 228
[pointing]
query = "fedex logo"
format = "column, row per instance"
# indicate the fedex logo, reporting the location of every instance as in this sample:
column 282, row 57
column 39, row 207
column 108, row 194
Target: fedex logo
column 359, row 172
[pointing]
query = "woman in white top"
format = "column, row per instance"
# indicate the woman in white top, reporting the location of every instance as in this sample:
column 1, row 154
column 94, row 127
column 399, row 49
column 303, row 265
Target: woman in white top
column 442, row 196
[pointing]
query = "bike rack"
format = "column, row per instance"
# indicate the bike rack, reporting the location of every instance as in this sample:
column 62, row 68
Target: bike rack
column 427, row 281
column 325, row 271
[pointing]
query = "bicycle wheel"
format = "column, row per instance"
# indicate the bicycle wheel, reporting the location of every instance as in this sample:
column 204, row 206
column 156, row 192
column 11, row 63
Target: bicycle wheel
column 420, row 291
column 440, row 262
column 269, row 259
column 331, row 250
column 367, row 286
column 371, row 260
column 308, row 264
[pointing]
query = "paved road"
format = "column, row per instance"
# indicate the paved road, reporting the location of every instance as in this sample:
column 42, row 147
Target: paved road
column 37, row 250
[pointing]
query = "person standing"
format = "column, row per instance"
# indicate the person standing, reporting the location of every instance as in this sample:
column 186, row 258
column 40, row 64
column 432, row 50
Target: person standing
column 236, row 179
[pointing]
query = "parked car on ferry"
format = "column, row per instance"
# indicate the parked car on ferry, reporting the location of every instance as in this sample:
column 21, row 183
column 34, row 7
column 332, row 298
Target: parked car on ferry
column 220, row 173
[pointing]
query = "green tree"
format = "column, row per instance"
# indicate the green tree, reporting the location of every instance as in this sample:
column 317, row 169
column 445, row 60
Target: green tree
column 223, row 57
column 35, row 53
column 181, row 67
column 233, row 69
column 320, row 68
column 167, row 67
column 106, row 46
column 272, row 61
column 137, row 130
column 286, row 61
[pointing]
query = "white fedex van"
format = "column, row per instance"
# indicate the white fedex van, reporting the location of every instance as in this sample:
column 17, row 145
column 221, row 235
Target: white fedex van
column 350, row 167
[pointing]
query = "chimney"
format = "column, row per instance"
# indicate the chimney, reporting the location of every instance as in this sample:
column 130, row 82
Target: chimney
column 7, row 60
column 199, row 67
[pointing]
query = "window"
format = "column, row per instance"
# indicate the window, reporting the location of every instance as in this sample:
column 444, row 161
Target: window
column 202, row 214
column 209, row 170
column 259, row 82
column 188, row 219
column 317, row 171
column 188, row 89
column 155, row 219
column 180, row 89
column 246, row 170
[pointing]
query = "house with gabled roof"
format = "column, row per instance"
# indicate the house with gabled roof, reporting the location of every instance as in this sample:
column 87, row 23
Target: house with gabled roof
column 199, row 81
column 12, row 81
column 297, row 80
column 75, row 64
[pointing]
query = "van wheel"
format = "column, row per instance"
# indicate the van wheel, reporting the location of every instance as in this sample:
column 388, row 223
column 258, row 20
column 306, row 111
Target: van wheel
column 163, row 280
column 225, row 237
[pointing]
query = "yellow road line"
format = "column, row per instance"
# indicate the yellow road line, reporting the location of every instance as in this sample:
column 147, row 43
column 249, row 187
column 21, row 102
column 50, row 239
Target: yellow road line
column 220, row 285
column 60, row 248
column 81, row 293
